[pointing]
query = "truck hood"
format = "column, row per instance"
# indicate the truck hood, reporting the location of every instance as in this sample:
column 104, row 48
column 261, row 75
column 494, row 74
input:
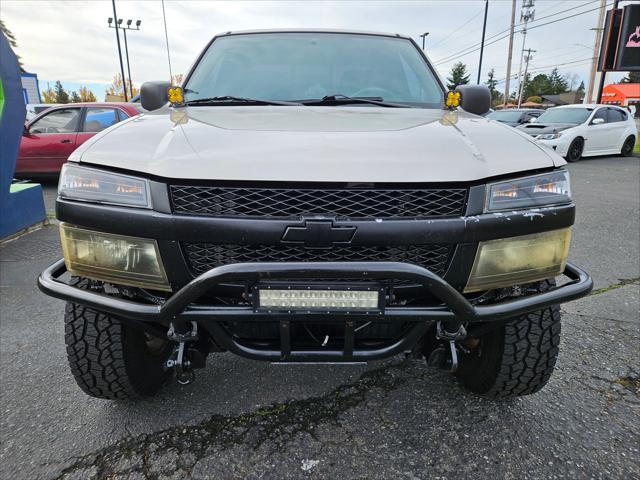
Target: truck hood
column 319, row 144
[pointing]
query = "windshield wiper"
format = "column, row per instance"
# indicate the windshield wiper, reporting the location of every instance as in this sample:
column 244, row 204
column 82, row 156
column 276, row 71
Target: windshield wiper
column 339, row 99
column 232, row 99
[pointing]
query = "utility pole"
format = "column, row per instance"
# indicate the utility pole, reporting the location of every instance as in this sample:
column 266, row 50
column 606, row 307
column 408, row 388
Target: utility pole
column 526, row 15
column 524, row 79
column 124, row 87
column 508, row 79
column 596, row 50
column 424, row 36
column 484, row 31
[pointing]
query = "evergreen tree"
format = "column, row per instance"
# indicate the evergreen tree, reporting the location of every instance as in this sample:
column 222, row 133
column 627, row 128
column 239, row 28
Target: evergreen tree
column 496, row 96
column 557, row 83
column 632, row 77
column 12, row 41
column 581, row 87
column 75, row 98
column 459, row 76
column 61, row 94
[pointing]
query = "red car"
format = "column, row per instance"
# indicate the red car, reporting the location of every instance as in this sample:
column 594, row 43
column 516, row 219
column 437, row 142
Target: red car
column 49, row 139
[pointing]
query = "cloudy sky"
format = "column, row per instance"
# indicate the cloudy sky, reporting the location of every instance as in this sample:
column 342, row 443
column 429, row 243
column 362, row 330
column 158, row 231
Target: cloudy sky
column 69, row 40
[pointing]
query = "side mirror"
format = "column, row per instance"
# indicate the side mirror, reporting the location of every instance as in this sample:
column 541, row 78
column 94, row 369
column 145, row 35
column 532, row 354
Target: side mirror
column 153, row 95
column 475, row 99
column 597, row 121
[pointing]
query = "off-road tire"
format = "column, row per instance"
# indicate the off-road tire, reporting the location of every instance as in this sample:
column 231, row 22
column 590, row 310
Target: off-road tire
column 627, row 146
column 574, row 152
column 110, row 359
column 516, row 359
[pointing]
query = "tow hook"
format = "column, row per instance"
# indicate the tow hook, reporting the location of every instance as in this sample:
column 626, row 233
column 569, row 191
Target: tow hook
column 447, row 358
column 178, row 360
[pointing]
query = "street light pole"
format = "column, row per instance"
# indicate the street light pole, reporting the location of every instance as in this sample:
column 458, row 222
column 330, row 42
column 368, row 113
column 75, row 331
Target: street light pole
column 115, row 16
column 126, row 52
column 118, row 24
column 424, row 36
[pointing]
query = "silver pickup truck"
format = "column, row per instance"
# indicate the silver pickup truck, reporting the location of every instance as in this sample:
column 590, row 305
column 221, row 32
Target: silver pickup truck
column 313, row 196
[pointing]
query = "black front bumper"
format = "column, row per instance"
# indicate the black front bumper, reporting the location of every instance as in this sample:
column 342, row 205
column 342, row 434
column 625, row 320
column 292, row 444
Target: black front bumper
column 182, row 305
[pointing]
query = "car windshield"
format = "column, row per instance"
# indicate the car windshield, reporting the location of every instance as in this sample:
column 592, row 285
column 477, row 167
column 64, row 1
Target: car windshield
column 505, row 116
column 565, row 115
column 307, row 66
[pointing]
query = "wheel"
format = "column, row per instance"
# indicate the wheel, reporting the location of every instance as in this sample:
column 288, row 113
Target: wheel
column 518, row 358
column 575, row 150
column 110, row 359
column 627, row 146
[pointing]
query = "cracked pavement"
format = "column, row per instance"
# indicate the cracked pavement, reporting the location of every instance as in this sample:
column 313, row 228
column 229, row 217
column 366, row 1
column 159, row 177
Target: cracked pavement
column 391, row 419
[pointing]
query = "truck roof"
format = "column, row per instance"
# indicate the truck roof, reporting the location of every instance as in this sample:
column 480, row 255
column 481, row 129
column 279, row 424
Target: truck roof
column 313, row 30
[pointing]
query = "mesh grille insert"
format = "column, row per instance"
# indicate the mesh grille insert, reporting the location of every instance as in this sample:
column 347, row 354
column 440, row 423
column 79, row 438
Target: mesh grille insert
column 341, row 203
column 205, row 256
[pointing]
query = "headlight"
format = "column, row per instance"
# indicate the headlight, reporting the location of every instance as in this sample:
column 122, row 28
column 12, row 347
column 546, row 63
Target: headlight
column 537, row 191
column 91, row 185
column 513, row 261
column 549, row 136
column 113, row 258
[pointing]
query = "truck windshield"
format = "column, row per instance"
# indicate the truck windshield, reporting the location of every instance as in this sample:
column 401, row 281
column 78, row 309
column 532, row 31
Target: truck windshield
column 309, row 66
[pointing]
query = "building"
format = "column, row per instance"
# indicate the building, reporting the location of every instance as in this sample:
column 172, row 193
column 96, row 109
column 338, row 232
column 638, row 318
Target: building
column 622, row 94
column 30, row 88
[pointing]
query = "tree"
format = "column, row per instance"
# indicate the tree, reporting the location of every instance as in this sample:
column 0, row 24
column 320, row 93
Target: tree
column 459, row 76
column 581, row 87
column 632, row 77
column 75, row 98
column 557, row 82
column 61, row 94
column 48, row 95
column 86, row 95
column 12, row 41
column 496, row 96
column 115, row 88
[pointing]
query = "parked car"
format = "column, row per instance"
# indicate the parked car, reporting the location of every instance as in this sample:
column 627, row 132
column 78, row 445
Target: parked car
column 313, row 196
column 515, row 116
column 54, row 134
column 576, row 131
column 34, row 109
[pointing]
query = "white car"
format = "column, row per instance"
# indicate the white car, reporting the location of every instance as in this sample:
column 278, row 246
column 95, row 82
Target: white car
column 576, row 131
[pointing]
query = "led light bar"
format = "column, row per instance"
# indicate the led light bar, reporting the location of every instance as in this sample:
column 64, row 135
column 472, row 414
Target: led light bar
column 319, row 299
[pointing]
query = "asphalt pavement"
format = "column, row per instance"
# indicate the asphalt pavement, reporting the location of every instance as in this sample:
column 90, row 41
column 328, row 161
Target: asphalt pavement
column 391, row 419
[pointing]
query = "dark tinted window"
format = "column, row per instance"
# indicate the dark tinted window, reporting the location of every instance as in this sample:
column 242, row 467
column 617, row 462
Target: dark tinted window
column 98, row 119
column 616, row 115
column 602, row 113
column 58, row 121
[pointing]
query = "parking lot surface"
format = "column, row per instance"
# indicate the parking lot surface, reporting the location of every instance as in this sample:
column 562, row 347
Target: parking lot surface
column 392, row 419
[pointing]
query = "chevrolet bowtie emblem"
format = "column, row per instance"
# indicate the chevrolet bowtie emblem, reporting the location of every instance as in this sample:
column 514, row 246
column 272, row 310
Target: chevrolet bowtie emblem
column 318, row 234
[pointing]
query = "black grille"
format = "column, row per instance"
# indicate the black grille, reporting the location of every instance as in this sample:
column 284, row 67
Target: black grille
column 341, row 203
column 205, row 256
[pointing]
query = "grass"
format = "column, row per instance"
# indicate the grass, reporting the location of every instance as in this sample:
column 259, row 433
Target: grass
column 637, row 149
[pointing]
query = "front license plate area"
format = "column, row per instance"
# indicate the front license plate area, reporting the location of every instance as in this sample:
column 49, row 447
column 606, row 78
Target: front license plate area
column 322, row 298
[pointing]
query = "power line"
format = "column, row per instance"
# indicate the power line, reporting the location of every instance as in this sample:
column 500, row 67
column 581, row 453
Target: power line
column 458, row 29
column 463, row 53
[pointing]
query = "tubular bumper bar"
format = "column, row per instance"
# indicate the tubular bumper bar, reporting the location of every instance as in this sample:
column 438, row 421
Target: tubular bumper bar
column 455, row 307
column 180, row 306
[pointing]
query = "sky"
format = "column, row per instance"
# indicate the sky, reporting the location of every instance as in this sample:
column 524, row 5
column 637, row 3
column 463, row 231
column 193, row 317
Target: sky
column 70, row 40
